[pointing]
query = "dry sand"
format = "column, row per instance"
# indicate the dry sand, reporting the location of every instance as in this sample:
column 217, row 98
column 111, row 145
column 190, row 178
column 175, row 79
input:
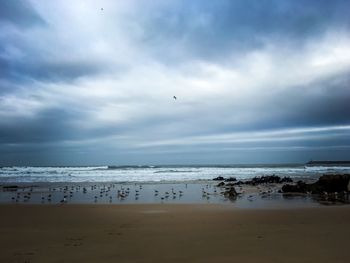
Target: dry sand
column 172, row 233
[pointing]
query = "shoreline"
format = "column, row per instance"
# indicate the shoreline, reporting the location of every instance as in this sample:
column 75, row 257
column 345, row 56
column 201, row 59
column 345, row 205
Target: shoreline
column 222, row 206
column 207, row 192
column 246, row 195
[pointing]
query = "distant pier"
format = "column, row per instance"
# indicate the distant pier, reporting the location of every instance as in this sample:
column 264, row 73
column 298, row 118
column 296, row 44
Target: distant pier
column 328, row 163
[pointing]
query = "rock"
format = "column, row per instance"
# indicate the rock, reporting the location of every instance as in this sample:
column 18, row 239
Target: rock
column 231, row 192
column 237, row 183
column 10, row 188
column 221, row 184
column 299, row 187
column 329, row 183
column 231, row 179
column 268, row 179
column 288, row 188
column 286, row 180
column 332, row 183
column 219, row 178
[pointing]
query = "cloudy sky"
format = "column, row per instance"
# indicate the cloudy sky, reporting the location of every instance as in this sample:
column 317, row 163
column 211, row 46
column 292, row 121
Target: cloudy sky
column 92, row 82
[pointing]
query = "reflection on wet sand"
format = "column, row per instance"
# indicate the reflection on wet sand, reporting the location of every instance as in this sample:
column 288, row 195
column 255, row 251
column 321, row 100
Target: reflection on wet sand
column 262, row 192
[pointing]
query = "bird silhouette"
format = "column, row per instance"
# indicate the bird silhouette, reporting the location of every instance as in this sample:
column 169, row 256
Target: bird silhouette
column 174, row 97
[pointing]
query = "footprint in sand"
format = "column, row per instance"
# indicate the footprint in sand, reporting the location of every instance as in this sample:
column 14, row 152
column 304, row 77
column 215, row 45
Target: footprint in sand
column 73, row 241
column 25, row 255
column 114, row 234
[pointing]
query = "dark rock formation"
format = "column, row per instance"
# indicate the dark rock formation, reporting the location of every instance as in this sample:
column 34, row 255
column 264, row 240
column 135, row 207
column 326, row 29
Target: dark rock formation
column 269, row 179
column 230, row 179
column 299, row 187
column 221, row 184
column 329, row 183
column 230, row 193
column 10, row 188
column 286, row 180
column 333, row 183
column 219, row 178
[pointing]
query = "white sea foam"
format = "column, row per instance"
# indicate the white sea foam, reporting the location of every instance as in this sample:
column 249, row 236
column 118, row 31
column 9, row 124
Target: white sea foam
column 156, row 173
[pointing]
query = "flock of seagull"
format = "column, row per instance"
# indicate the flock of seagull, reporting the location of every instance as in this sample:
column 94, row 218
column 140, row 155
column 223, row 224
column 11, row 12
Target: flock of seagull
column 124, row 193
column 102, row 192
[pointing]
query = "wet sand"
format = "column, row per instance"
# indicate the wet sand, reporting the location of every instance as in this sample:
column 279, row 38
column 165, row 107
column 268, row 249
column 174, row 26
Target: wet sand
column 172, row 233
column 260, row 196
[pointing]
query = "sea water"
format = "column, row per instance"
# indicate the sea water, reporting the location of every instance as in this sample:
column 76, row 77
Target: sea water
column 176, row 173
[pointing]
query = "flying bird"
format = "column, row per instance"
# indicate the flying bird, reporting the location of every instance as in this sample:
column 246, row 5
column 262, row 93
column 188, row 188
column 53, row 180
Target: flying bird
column 174, row 97
column 101, row 8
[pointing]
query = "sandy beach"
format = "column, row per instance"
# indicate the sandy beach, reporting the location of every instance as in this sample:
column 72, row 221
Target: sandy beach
column 172, row 233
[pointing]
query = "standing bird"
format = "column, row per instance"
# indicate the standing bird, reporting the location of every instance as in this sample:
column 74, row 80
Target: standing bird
column 174, row 97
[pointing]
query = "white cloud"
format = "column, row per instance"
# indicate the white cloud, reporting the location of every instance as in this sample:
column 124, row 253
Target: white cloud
column 132, row 93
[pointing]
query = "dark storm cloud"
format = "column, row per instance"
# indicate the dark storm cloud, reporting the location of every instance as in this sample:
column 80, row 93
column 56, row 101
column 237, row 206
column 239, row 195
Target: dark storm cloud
column 60, row 71
column 19, row 12
column 52, row 127
column 215, row 29
column 5, row 68
column 43, row 65
column 325, row 102
column 48, row 126
column 321, row 103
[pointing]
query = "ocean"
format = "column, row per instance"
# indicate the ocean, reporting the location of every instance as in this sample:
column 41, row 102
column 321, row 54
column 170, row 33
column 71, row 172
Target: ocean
column 174, row 173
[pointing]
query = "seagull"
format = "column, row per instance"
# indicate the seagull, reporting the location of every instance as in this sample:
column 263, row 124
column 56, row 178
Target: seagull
column 101, row 8
column 174, row 97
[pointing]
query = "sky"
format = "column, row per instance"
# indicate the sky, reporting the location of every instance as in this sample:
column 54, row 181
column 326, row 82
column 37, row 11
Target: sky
column 92, row 82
